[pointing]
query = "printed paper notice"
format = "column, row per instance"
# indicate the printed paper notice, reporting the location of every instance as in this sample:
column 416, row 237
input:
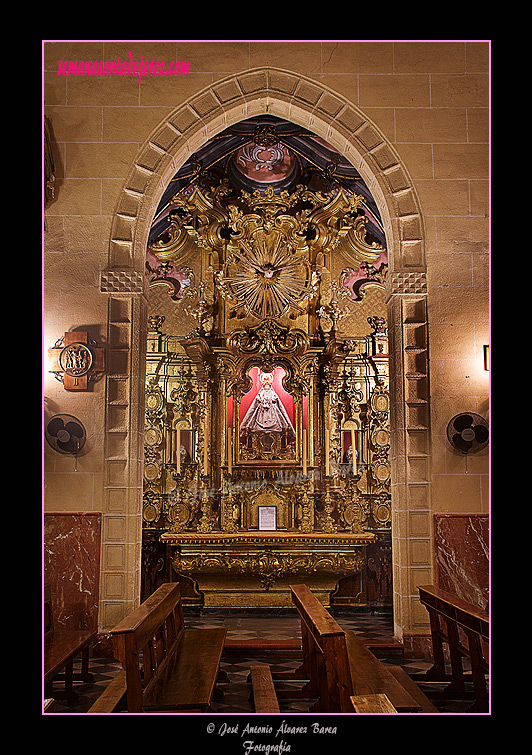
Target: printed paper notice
column 267, row 520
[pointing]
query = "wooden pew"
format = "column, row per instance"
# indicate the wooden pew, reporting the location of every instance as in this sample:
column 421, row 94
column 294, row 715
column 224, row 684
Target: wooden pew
column 370, row 676
column 112, row 695
column 325, row 659
column 378, row 703
column 411, row 687
column 61, row 647
column 338, row 665
column 451, row 617
column 264, row 695
column 167, row 666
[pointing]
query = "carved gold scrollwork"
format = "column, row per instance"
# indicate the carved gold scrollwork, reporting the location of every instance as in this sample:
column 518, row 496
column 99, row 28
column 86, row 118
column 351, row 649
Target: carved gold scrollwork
column 154, row 401
column 380, row 435
column 269, row 338
column 268, row 565
column 265, row 445
column 230, row 512
column 178, row 515
column 332, row 313
column 307, row 511
column 198, row 218
column 208, row 517
column 153, row 439
column 151, row 507
column 381, row 510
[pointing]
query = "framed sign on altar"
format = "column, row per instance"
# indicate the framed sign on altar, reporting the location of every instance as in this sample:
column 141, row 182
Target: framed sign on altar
column 267, row 518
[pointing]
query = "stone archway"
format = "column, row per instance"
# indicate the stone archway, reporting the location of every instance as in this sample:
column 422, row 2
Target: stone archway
column 307, row 103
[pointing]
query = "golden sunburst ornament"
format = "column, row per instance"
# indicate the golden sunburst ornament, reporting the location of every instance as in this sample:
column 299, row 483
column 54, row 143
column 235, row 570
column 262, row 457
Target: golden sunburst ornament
column 267, row 279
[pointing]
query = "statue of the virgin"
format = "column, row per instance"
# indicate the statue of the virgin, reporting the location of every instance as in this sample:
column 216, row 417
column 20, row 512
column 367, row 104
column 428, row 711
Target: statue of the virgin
column 267, row 412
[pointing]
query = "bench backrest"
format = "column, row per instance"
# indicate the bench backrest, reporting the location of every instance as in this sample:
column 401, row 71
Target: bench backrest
column 146, row 640
column 325, row 650
column 465, row 614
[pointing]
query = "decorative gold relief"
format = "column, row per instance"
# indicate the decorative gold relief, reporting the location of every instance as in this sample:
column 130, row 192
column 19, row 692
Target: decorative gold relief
column 381, row 511
column 151, row 508
column 380, row 437
column 268, row 496
column 380, row 400
column 178, row 515
column 267, row 279
column 269, row 338
column 332, row 313
column 265, row 445
column 153, row 436
column 268, row 566
column 284, row 422
column 381, row 471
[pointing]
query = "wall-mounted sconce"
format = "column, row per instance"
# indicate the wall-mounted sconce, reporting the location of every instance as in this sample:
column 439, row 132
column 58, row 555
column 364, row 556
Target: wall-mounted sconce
column 487, row 358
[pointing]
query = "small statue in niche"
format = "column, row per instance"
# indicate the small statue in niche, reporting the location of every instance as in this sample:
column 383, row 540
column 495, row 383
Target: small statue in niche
column 267, row 412
column 348, row 456
column 184, row 456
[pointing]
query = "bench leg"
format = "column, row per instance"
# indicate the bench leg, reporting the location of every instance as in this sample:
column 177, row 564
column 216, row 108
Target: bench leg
column 457, row 670
column 437, row 670
column 68, row 693
column 85, row 675
column 477, row 672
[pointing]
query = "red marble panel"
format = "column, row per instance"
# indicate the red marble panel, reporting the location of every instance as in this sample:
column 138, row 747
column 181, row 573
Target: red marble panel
column 462, row 556
column 72, row 567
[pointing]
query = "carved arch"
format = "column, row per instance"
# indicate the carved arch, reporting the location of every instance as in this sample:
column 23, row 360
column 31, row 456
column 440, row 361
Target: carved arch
column 287, row 95
column 308, row 103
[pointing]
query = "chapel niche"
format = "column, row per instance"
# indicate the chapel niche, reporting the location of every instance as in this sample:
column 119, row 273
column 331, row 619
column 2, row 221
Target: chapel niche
column 267, row 405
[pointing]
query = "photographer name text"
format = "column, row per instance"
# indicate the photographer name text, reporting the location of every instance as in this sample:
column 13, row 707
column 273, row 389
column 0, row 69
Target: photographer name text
column 251, row 746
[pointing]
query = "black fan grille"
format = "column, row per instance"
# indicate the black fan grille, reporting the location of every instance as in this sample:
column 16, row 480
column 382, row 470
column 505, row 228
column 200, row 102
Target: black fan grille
column 65, row 434
column 468, row 432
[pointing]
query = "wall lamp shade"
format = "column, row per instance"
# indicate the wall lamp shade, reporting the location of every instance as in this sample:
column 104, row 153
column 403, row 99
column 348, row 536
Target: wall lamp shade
column 487, row 358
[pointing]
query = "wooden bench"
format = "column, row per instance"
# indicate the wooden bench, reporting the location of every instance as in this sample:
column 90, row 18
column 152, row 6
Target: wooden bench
column 370, row 676
column 452, row 619
column 167, row 667
column 60, row 649
column 264, row 695
column 378, row 703
column 339, row 666
column 325, row 659
column 412, row 688
column 112, row 696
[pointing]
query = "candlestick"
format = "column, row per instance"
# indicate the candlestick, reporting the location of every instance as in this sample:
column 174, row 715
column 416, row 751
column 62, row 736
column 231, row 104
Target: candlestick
column 353, row 449
column 327, row 437
column 230, row 450
column 304, row 451
column 178, row 450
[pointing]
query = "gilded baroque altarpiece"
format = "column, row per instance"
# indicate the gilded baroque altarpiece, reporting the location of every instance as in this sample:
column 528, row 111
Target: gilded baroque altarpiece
column 267, row 407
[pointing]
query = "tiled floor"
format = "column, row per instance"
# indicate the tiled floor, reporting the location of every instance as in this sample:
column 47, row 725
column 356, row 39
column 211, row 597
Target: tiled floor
column 246, row 637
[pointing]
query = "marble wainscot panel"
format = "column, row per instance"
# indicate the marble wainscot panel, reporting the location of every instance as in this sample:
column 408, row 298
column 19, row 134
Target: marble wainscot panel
column 72, row 567
column 462, row 556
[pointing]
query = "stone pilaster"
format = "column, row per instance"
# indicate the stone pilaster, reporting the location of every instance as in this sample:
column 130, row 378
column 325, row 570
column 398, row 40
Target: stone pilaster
column 124, row 445
column 410, row 449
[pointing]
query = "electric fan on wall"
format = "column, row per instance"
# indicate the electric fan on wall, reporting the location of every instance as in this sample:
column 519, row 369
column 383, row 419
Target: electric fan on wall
column 468, row 433
column 65, row 434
